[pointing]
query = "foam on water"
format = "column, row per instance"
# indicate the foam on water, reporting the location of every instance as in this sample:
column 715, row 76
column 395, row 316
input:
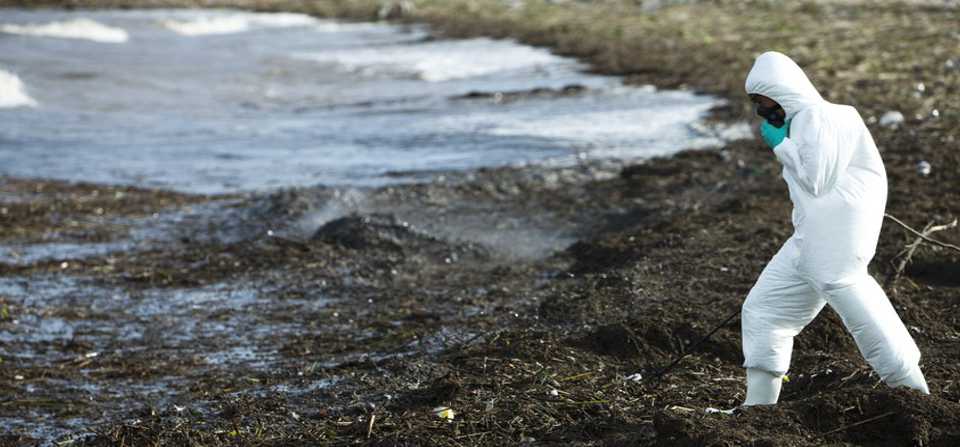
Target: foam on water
column 80, row 28
column 12, row 91
column 622, row 122
column 236, row 23
column 441, row 61
column 616, row 133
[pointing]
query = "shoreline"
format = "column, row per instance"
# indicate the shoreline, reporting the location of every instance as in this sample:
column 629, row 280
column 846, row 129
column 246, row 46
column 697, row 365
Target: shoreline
column 536, row 348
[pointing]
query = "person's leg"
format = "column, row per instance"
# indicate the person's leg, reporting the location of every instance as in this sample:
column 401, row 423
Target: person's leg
column 763, row 387
column 777, row 308
column 880, row 335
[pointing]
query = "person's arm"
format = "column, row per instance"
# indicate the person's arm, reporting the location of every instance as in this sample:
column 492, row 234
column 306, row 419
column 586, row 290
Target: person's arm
column 812, row 153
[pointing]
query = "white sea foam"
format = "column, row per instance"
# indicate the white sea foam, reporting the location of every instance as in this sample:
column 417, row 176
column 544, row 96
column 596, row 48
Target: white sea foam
column 617, row 126
column 80, row 28
column 281, row 19
column 236, row 23
column 208, row 25
column 440, row 61
column 12, row 91
column 661, row 123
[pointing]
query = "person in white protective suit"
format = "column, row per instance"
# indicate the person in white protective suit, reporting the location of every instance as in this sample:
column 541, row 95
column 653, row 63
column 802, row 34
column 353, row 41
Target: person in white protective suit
column 838, row 187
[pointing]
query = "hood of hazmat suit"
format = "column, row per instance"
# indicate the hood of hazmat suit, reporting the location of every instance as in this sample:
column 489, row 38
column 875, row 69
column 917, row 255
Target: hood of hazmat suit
column 838, row 187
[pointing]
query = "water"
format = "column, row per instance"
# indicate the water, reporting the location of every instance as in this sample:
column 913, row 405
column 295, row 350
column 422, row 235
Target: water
column 225, row 101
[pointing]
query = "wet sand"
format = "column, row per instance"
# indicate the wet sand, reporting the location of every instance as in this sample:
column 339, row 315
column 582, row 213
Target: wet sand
column 525, row 299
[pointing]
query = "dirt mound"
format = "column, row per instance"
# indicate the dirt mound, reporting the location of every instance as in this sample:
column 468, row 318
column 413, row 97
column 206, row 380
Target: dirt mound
column 395, row 238
column 857, row 415
column 369, row 231
column 630, row 340
column 598, row 256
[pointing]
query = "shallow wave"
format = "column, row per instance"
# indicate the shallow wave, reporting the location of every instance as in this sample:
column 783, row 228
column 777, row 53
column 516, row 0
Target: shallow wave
column 12, row 91
column 636, row 122
column 440, row 61
column 236, row 23
column 81, row 28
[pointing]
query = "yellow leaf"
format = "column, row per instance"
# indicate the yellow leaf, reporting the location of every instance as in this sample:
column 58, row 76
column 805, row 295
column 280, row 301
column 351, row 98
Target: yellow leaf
column 444, row 413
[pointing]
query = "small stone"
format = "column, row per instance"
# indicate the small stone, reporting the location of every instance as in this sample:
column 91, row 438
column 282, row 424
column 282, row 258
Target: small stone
column 891, row 118
column 924, row 168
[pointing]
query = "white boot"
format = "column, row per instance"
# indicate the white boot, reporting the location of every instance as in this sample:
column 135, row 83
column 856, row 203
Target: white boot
column 763, row 387
column 913, row 380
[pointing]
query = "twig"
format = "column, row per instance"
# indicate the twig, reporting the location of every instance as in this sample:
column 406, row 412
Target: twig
column 479, row 433
column 855, row 424
column 663, row 371
column 933, row 229
column 373, row 417
column 585, row 402
column 909, row 249
column 905, row 256
column 576, row 376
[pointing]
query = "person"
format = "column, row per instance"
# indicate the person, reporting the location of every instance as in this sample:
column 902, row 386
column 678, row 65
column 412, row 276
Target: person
column 838, row 187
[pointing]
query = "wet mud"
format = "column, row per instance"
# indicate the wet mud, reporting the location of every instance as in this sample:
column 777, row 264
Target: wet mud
column 539, row 304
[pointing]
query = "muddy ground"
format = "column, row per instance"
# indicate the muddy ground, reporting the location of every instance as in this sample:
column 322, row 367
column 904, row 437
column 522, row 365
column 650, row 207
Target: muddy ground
column 537, row 303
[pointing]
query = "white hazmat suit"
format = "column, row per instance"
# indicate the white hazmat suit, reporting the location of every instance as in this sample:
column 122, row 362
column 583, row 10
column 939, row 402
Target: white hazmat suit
column 838, row 187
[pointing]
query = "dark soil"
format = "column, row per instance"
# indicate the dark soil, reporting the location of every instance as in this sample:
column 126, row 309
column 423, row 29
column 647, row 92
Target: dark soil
column 526, row 300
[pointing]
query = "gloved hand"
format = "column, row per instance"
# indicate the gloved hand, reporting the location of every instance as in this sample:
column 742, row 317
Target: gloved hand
column 772, row 135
